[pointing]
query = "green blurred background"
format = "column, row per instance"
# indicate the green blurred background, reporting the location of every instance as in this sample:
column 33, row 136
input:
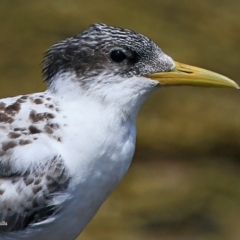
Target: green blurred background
column 184, row 183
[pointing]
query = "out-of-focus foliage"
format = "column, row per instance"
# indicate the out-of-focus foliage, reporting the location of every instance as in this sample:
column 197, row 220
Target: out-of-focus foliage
column 191, row 189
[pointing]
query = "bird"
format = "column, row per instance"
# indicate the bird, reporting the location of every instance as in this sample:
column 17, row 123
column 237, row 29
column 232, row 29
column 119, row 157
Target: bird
column 63, row 151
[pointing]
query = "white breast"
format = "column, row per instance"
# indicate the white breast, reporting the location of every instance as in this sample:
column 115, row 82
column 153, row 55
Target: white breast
column 98, row 146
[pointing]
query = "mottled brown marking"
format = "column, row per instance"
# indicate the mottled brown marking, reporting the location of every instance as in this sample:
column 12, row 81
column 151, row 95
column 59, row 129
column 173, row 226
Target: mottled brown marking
column 8, row 145
column 36, row 175
column 28, row 180
column 24, row 97
column 57, row 138
column 24, row 142
column 20, row 100
column 48, row 178
column 5, row 118
column 41, row 96
column 48, row 98
column 41, row 116
column 2, row 191
column 36, row 117
column 32, row 116
column 19, row 129
column 35, row 138
column 50, row 115
column 13, row 108
column 5, row 168
column 38, row 101
column 49, row 105
column 37, row 181
column 36, row 200
column 14, row 135
column 37, row 189
column 34, row 130
column 48, row 129
column 54, row 126
column 2, row 105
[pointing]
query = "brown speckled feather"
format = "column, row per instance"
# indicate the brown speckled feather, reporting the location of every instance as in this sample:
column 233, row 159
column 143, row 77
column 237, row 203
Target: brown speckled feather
column 29, row 187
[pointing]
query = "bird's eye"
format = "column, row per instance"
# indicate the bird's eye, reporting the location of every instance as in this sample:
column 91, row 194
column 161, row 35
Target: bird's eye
column 117, row 56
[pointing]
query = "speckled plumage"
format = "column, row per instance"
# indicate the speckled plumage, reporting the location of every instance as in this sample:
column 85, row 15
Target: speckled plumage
column 63, row 151
column 24, row 120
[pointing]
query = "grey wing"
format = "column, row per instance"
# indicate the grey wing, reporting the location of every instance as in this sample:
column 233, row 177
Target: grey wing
column 28, row 196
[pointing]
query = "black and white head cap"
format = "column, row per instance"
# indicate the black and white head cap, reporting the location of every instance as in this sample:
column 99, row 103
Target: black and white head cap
column 105, row 50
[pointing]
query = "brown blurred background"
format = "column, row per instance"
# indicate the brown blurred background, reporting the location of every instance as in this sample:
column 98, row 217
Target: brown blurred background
column 184, row 183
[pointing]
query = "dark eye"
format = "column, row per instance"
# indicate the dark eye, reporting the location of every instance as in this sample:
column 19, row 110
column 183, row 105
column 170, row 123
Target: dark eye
column 117, row 56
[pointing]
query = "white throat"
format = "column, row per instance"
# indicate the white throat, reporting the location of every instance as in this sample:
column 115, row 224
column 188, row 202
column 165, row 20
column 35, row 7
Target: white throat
column 124, row 95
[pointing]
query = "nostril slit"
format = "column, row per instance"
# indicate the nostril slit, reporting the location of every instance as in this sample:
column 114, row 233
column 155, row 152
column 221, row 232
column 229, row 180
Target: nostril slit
column 185, row 71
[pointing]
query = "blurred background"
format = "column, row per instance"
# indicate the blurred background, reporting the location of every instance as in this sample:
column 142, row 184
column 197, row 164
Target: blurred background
column 184, row 183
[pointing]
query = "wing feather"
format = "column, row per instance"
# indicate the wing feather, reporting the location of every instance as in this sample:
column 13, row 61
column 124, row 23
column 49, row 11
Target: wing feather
column 28, row 198
column 32, row 173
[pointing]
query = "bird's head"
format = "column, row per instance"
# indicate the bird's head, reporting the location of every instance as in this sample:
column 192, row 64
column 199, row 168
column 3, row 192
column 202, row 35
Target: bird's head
column 116, row 60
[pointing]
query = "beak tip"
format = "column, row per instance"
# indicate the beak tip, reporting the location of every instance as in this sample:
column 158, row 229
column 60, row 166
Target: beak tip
column 235, row 85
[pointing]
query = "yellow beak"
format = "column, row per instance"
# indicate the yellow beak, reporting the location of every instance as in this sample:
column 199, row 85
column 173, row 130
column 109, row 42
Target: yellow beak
column 184, row 74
